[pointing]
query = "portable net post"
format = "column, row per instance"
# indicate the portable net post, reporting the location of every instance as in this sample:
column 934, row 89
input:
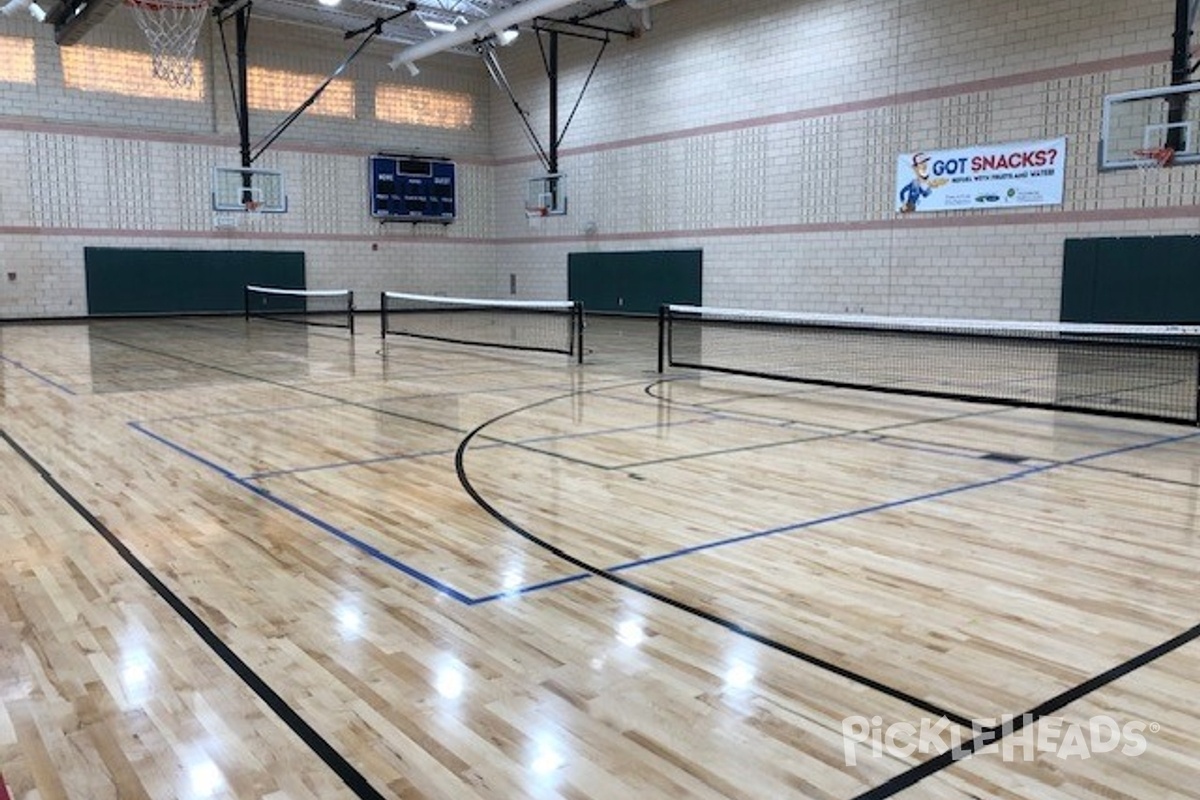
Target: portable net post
column 579, row 326
column 1137, row 371
column 171, row 28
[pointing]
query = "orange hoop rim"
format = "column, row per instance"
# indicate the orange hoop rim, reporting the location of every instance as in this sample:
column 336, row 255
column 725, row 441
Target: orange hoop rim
column 1160, row 155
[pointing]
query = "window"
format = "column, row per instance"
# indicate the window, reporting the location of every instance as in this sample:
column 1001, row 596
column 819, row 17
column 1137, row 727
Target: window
column 16, row 60
column 431, row 108
column 102, row 69
column 280, row 90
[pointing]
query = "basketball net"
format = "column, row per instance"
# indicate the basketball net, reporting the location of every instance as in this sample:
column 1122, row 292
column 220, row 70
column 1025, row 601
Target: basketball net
column 1151, row 161
column 172, row 28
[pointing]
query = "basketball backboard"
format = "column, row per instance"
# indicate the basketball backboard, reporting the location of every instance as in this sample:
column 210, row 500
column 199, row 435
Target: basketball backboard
column 238, row 189
column 546, row 196
column 1136, row 124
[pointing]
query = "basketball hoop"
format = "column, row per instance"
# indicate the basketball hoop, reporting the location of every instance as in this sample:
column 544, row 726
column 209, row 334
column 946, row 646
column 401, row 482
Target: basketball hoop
column 1153, row 159
column 172, row 28
column 536, row 211
column 253, row 206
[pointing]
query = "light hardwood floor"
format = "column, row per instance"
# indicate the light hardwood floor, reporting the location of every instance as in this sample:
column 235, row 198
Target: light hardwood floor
column 417, row 570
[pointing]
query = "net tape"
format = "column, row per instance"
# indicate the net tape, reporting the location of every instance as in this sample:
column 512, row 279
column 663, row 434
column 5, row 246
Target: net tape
column 299, row 292
column 1144, row 371
column 533, row 305
column 935, row 324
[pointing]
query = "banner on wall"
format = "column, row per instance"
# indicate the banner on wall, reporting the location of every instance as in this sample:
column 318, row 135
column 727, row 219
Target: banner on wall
column 983, row 176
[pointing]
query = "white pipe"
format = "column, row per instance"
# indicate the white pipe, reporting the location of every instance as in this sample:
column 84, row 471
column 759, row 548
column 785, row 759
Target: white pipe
column 480, row 29
column 13, row 6
column 644, row 6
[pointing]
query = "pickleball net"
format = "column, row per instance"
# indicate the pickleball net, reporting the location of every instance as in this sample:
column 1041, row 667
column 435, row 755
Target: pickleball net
column 329, row 308
column 1139, row 371
column 551, row 326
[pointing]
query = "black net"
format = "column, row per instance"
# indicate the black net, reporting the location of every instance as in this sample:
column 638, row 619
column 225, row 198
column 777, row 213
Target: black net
column 326, row 308
column 550, row 326
column 1149, row 372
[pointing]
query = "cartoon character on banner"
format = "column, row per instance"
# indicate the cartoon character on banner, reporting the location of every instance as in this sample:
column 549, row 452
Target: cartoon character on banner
column 920, row 186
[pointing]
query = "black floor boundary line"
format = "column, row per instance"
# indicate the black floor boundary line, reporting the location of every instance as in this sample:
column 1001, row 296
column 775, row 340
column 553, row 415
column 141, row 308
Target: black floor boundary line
column 993, row 735
column 695, row 611
column 353, row 779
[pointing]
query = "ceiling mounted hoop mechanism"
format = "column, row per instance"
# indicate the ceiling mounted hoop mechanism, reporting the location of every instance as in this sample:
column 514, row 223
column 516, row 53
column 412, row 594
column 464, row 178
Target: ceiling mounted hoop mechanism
column 172, row 28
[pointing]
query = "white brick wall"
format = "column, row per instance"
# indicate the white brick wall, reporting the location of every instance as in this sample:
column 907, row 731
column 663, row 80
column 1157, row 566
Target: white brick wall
column 764, row 132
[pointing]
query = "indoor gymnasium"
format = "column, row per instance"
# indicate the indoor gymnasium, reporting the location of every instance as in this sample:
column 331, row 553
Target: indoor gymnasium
column 507, row 399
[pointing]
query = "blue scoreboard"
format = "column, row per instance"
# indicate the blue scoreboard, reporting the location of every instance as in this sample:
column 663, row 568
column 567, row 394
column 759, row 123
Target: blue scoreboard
column 412, row 189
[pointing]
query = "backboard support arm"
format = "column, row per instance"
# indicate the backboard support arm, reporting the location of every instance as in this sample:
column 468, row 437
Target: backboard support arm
column 251, row 153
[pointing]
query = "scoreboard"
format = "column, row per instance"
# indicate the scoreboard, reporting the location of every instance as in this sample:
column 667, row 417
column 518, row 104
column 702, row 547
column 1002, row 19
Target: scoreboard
column 412, row 189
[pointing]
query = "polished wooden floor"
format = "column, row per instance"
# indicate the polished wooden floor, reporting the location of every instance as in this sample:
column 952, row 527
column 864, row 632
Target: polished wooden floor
column 265, row 561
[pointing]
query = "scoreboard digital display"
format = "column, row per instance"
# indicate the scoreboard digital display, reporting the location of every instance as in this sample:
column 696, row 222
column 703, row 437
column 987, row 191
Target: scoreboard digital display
column 412, row 189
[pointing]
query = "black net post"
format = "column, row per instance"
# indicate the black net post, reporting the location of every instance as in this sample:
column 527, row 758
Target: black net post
column 350, row 311
column 577, row 314
column 662, row 335
column 383, row 315
column 1197, row 417
column 246, row 301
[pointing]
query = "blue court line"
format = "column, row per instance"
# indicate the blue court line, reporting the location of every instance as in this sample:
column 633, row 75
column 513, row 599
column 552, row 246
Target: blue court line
column 843, row 515
column 562, row 437
column 243, row 412
column 37, row 375
column 450, row 591
column 702, row 410
column 275, row 473
column 371, row 550
column 491, row 444
column 533, row 587
column 898, row 503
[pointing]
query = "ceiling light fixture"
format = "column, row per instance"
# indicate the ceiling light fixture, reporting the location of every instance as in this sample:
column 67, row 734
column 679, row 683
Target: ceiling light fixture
column 479, row 29
column 508, row 35
column 330, row 3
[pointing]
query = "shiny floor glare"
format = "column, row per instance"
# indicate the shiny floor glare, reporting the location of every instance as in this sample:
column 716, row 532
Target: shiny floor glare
column 259, row 560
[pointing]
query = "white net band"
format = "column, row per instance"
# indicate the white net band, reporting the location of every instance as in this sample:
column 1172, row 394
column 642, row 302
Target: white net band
column 299, row 292
column 555, row 305
column 982, row 326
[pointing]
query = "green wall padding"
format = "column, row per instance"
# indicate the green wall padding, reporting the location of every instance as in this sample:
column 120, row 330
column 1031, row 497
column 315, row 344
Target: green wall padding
column 635, row 282
column 1131, row 279
column 129, row 281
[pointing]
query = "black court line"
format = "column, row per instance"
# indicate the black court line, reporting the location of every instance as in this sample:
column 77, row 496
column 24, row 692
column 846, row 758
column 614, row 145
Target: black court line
column 906, row 779
column 673, row 602
column 990, row 736
column 353, row 779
